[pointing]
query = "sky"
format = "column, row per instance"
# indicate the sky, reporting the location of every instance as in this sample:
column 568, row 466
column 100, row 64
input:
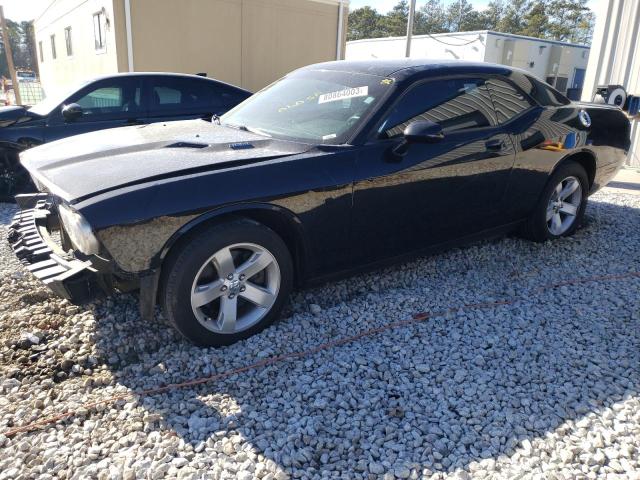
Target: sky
column 19, row 10
column 383, row 6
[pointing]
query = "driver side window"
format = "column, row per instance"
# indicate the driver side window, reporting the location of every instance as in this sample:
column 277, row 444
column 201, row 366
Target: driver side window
column 455, row 104
column 112, row 99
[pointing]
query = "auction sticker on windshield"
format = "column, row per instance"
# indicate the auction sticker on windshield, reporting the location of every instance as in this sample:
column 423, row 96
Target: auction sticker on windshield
column 344, row 94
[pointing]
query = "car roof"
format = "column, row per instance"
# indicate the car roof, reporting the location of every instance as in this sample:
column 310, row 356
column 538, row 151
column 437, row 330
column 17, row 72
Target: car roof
column 407, row 67
column 164, row 74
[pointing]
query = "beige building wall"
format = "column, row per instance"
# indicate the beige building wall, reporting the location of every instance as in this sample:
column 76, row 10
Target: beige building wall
column 120, row 34
column 190, row 37
column 85, row 62
column 281, row 35
column 249, row 43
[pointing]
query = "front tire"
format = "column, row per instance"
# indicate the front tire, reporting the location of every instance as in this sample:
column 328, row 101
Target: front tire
column 227, row 283
column 14, row 179
column 561, row 207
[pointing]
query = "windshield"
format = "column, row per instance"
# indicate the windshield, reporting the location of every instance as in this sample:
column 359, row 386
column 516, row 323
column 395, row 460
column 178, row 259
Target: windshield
column 45, row 107
column 316, row 106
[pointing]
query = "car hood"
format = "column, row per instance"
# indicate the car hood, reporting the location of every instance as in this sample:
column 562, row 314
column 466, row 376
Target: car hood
column 85, row 165
column 11, row 114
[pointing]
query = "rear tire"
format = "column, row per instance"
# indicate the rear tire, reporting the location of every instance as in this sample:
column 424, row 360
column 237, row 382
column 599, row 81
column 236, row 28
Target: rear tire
column 561, row 207
column 227, row 283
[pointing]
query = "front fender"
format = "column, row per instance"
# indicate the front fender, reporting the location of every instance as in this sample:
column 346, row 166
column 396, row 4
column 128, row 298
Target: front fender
column 139, row 247
column 136, row 223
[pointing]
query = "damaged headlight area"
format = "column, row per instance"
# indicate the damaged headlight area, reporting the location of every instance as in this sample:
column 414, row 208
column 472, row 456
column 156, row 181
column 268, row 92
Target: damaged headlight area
column 78, row 230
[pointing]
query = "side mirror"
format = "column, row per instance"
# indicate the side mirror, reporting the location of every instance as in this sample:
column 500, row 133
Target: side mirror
column 72, row 112
column 423, row 131
column 420, row 131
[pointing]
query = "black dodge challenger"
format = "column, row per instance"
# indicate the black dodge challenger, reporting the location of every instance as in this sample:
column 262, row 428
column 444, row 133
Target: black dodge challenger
column 335, row 167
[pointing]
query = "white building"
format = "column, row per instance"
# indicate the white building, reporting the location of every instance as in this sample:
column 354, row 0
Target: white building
column 559, row 63
column 615, row 58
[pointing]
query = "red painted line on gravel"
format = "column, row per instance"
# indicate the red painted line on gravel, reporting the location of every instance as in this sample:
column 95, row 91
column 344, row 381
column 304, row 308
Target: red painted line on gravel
column 416, row 318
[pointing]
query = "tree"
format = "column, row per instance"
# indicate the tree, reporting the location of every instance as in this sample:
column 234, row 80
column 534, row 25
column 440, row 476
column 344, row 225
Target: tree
column 536, row 21
column 584, row 29
column 395, row 21
column 433, row 18
column 22, row 48
column 513, row 19
column 570, row 20
column 493, row 14
column 29, row 44
column 457, row 13
column 474, row 20
column 15, row 40
column 565, row 20
column 365, row 22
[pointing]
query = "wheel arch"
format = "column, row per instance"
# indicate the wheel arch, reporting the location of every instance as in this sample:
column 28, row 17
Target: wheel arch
column 8, row 145
column 585, row 158
column 281, row 220
column 21, row 143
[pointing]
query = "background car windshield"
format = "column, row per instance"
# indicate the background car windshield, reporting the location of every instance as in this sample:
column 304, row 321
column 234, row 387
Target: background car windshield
column 311, row 106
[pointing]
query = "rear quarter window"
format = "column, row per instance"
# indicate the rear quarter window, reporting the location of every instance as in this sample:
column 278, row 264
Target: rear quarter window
column 187, row 95
column 509, row 102
column 545, row 95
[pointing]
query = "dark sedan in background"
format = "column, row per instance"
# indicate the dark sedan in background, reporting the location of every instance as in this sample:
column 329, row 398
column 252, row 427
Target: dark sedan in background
column 336, row 167
column 107, row 102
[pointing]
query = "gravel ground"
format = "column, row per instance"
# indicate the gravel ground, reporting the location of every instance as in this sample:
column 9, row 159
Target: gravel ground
column 546, row 387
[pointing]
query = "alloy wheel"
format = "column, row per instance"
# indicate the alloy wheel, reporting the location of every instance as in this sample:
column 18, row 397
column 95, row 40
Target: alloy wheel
column 564, row 205
column 235, row 288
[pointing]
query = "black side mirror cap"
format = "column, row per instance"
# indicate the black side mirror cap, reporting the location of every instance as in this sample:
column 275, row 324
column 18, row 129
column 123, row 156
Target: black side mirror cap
column 420, row 131
column 72, row 112
column 423, row 131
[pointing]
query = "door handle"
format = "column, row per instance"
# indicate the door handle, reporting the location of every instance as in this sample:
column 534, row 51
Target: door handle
column 495, row 145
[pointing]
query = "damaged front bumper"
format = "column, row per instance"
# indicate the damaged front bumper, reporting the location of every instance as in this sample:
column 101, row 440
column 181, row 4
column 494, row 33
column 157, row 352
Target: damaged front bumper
column 30, row 238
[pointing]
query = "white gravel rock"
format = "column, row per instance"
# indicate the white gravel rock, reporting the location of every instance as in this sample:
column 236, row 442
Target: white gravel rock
column 546, row 387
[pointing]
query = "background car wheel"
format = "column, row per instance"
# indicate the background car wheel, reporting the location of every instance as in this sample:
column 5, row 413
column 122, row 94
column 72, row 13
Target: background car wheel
column 561, row 207
column 227, row 283
column 14, row 179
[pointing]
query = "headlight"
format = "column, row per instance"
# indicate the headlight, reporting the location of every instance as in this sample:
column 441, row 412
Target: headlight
column 79, row 231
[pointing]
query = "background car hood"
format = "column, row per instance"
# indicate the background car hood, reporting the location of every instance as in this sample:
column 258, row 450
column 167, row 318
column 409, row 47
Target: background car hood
column 84, row 165
column 11, row 114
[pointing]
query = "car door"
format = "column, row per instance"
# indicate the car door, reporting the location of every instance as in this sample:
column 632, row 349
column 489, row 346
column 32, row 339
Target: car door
column 434, row 192
column 107, row 103
column 182, row 98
